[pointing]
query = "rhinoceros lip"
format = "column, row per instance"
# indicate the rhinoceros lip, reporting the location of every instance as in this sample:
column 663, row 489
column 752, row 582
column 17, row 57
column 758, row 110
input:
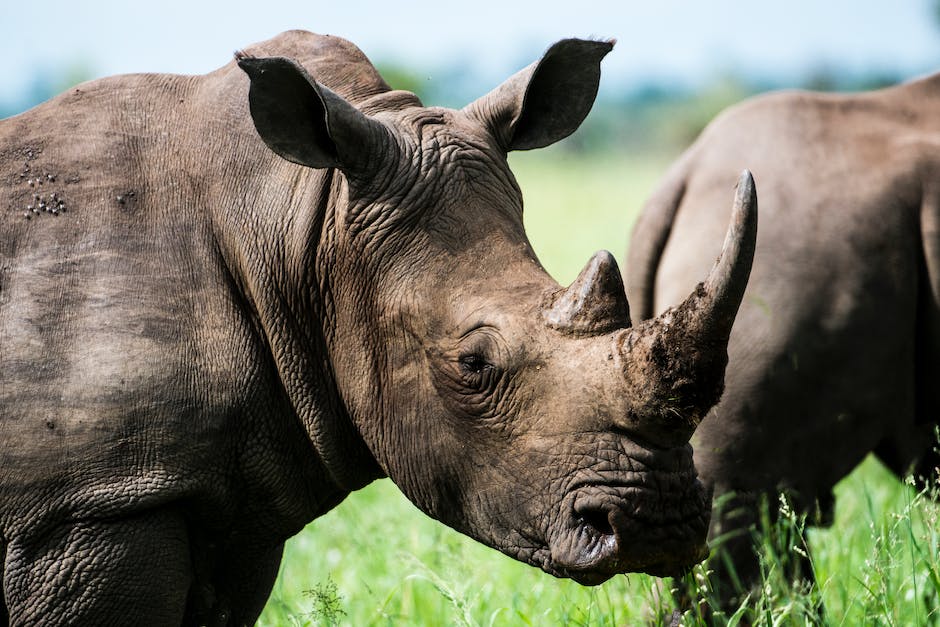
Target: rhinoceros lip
column 593, row 547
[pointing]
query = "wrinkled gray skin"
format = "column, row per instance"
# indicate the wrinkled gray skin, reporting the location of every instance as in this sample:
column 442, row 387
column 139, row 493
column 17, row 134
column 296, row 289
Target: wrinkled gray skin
column 250, row 302
column 836, row 349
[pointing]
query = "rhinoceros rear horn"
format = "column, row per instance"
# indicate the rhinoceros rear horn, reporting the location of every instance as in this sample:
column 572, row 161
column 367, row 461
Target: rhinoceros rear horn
column 306, row 123
column 675, row 363
column 594, row 303
column 546, row 101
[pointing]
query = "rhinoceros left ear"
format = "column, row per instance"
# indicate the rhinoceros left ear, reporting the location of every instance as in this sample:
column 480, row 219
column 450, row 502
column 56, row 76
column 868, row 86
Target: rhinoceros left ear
column 304, row 122
column 546, row 101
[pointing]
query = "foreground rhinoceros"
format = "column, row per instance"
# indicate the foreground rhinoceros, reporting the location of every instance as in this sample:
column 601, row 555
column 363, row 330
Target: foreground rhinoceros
column 208, row 342
column 836, row 349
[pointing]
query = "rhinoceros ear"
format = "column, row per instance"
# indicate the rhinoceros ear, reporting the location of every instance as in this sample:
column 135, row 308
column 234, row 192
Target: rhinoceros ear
column 303, row 121
column 546, row 101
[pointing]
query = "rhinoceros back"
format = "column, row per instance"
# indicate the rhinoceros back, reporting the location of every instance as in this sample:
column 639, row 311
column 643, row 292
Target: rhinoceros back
column 132, row 367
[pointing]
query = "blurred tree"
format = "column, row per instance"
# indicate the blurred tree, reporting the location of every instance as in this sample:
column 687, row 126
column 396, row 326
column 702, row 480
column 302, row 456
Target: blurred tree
column 400, row 77
column 823, row 77
column 46, row 83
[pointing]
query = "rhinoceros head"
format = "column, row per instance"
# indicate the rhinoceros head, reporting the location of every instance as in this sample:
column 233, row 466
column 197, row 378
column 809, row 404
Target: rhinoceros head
column 528, row 416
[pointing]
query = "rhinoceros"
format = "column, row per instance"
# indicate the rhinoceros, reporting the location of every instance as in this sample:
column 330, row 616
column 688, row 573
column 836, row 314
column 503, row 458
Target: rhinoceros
column 835, row 352
column 227, row 301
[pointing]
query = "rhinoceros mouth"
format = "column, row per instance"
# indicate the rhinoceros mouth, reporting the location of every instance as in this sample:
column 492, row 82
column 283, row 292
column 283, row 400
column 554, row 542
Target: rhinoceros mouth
column 618, row 528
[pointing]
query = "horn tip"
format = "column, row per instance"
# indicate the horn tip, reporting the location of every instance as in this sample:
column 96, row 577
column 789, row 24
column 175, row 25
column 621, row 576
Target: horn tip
column 745, row 184
column 745, row 199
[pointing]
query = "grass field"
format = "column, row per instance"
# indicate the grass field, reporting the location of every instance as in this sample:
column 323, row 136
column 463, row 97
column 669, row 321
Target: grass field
column 376, row 560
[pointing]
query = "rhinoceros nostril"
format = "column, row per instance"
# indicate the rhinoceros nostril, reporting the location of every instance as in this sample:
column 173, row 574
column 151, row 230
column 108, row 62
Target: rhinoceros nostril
column 598, row 520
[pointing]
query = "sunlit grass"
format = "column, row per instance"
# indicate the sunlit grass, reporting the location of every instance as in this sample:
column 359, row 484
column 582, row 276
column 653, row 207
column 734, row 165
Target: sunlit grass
column 394, row 566
column 391, row 565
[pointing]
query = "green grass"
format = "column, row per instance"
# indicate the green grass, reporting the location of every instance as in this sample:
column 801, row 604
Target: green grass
column 377, row 560
column 391, row 565
column 878, row 563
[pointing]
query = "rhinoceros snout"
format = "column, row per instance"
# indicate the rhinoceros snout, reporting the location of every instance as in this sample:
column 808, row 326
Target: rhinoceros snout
column 655, row 523
column 608, row 547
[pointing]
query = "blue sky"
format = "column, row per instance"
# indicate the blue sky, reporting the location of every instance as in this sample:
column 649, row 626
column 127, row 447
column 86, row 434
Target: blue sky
column 666, row 40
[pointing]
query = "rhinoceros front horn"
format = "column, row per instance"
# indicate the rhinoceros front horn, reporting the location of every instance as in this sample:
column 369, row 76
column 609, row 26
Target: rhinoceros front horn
column 675, row 363
column 724, row 288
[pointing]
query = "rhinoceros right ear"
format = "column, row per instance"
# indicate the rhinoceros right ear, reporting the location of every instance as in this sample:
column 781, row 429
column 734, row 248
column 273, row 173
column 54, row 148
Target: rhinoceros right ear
column 546, row 101
column 303, row 121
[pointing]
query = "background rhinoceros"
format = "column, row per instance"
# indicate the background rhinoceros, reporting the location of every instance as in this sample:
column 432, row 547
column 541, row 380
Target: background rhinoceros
column 208, row 342
column 836, row 350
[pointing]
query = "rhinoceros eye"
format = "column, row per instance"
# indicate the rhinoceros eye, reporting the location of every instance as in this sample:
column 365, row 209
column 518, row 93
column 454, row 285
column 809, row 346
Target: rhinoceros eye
column 474, row 364
column 475, row 371
column 469, row 376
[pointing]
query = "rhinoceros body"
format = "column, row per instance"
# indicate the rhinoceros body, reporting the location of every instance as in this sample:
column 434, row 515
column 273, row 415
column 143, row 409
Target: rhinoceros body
column 836, row 349
column 226, row 301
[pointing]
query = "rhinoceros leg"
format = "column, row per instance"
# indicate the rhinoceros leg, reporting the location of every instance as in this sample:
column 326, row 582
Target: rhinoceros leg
column 927, row 472
column 4, row 615
column 130, row 571
column 912, row 446
column 920, row 460
column 233, row 582
column 255, row 573
column 735, row 563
